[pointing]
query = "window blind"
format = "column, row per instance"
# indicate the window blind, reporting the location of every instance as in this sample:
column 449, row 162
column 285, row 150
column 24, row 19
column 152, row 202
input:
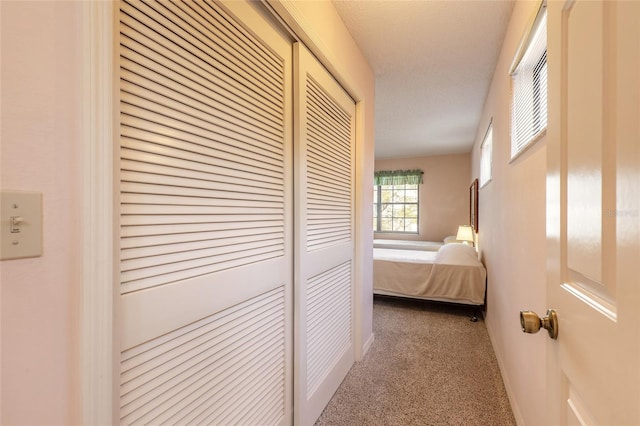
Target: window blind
column 529, row 88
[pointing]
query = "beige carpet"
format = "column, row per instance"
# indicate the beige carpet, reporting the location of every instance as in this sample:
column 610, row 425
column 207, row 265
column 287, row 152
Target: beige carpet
column 429, row 365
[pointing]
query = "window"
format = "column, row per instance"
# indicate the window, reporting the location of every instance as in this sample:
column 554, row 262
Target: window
column 486, row 152
column 529, row 87
column 396, row 201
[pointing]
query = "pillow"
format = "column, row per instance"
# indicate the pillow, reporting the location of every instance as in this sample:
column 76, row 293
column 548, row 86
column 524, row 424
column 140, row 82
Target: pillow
column 457, row 254
column 451, row 239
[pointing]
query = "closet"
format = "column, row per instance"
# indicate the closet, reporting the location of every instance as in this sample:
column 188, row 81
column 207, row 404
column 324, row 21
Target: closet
column 236, row 225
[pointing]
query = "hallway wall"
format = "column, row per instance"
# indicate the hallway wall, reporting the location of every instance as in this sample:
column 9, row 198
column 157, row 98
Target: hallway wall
column 512, row 238
column 41, row 151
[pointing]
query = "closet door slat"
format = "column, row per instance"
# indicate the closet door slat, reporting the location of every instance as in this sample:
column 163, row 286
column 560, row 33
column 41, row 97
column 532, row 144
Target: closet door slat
column 205, row 214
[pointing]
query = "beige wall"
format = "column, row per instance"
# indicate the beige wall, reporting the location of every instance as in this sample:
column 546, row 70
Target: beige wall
column 444, row 195
column 40, row 151
column 512, row 239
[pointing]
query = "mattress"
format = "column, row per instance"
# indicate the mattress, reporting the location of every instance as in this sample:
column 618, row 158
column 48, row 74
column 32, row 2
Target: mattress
column 407, row 245
column 452, row 274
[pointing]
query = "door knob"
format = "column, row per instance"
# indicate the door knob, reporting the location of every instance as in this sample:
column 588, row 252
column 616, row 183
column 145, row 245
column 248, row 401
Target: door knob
column 531, row 322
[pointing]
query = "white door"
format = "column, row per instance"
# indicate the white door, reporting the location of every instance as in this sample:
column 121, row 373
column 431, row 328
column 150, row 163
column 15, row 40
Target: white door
column 324, row 205
column 593, row 219
column 205, row 294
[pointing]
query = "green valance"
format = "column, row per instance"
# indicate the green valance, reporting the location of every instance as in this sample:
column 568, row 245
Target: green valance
column 398, row 177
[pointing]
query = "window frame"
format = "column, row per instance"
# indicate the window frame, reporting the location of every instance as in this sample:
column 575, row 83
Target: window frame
column 535, row 117
column 486, row 143
column 378, row 209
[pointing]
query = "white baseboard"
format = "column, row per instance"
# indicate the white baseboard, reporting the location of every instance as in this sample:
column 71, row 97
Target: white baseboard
column 505, row 378
column 367, row 345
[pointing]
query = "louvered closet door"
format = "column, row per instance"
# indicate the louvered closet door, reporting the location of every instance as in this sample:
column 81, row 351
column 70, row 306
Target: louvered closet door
column 206, row 242
column 324, row 153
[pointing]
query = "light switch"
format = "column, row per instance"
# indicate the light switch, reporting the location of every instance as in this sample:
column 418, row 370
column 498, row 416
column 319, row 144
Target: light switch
column 20, row 224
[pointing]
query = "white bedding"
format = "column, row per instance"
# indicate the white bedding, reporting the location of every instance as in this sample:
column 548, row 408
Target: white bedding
column 407, row 245
column 452, row 274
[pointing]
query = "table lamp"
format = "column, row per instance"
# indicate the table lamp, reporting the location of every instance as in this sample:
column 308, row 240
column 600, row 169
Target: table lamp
column 465, row 234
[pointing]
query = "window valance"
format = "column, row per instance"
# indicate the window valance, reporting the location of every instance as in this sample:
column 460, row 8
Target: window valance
column 398, row 177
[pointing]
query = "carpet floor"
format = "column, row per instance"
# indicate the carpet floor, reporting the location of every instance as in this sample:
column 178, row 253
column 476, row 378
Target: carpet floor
column 428, row 365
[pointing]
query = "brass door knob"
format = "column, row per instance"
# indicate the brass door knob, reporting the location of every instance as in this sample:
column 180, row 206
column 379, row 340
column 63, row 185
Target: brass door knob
column 531, row 322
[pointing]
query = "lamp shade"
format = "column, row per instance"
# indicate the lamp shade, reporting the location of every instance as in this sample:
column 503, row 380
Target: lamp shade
column 465, row 233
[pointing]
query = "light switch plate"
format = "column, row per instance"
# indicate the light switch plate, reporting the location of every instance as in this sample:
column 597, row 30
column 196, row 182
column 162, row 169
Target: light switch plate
column 20, row 224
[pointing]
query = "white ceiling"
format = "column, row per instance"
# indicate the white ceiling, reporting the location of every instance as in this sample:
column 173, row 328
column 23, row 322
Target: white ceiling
column 433, row 62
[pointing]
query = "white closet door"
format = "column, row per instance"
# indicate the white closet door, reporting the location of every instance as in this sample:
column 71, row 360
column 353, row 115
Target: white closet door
column 324, row 199
column 205, row 215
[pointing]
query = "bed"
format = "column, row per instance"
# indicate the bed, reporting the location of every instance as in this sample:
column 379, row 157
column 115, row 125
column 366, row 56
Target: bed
column 407, row 245
column 453, row 273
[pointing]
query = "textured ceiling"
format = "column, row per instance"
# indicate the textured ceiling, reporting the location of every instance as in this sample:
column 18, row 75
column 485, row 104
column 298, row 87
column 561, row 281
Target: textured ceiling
column 433, row 62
